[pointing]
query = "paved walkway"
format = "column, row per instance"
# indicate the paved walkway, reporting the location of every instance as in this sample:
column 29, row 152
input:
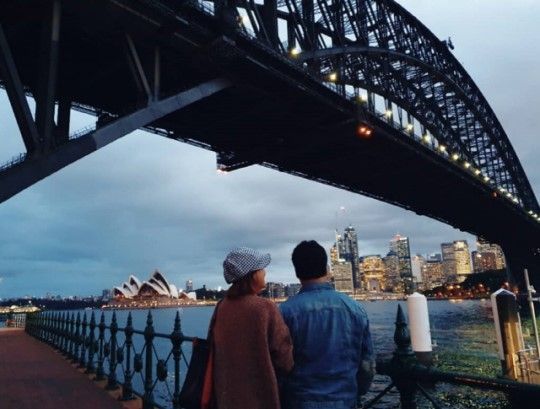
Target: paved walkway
column 33, row 375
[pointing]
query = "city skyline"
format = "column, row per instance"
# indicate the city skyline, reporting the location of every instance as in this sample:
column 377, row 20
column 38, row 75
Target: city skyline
column 146, row 202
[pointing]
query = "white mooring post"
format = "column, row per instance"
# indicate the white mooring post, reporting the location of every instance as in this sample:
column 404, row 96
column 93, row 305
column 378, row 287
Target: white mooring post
column 508, row 330
column 419, row 328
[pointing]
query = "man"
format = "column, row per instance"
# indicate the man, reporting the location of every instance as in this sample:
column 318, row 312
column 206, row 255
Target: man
column 332, row 348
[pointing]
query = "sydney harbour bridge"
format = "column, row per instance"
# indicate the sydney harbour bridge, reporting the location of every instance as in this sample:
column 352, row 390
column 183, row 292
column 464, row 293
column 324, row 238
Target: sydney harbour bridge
column 357, row 94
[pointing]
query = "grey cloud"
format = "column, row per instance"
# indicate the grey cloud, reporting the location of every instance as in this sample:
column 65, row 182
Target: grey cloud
column 146, row 202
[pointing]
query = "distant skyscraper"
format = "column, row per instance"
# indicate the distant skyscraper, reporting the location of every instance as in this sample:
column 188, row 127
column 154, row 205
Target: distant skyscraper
column 400, row 246
column 432, row 274
column 348, row 250
column 416, row 263
column 334, row 252
column 189, row 286
column 448, row 262
column 391, row 272
column 482, row 246
column 343, row 277
column 483, row 261
column 462, row 257
column 372, row 269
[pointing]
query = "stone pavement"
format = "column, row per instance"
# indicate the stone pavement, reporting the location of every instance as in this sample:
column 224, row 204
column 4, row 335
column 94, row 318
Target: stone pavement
column 34, row 375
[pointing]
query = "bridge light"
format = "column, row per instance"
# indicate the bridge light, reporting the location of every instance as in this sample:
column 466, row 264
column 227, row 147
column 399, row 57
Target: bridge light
column 388, row 113
column 426, row 138
column 530, row 212
column 332, row 77
column 515, row 200
column 508, row 195
column 486, row 179
column 410, row 127
column 477, row 171
column 364, row 131
column 467, row 165
column 295, row 51
column 362, row 98
column 455, row 156
column 502, row 189
column 442, row 148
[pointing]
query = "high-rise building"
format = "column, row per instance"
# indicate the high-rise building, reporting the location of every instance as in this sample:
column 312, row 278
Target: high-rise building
column 372, row 270
column 400, row 246
column 334, row 252
column 483, row 261
column 189, row 286
column 342, row 276
column 417, row 262
column 462, row 258
column 448, row 262
column 432, row 274
column 347, row 246
column 483, row 246
column 391, row 272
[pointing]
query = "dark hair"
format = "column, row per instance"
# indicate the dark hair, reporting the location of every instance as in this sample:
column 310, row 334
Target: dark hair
column 244, row 286
column 309, row 260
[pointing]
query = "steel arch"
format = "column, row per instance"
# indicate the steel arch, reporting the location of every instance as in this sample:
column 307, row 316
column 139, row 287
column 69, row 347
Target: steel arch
column 378, row 46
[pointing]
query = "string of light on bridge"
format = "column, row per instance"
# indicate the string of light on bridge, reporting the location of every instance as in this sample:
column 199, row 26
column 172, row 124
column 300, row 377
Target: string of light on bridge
column 364, row 131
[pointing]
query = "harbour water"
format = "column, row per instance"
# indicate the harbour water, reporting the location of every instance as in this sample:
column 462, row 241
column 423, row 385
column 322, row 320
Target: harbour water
column 461, row 330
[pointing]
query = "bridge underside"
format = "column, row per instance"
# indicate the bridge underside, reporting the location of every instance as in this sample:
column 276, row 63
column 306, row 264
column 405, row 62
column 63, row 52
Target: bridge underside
column 112, row 61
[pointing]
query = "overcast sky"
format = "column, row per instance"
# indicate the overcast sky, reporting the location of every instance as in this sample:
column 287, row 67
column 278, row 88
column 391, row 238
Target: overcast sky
column 145, row 202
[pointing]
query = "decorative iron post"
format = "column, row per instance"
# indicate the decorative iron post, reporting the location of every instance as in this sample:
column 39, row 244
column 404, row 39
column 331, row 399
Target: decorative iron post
column 52, row 341
column 82, row 359
column 65, row 333
column 112, row 384
column 148, row 397
column 127, row 388
column 77, row 338
column 90, row 368
column 100, row 375
column 56, row 331
column 176, row 339
column 403, row 360
column 71, row 336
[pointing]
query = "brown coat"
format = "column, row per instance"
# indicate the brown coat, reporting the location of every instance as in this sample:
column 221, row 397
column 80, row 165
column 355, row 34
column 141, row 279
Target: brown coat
column 251, row 344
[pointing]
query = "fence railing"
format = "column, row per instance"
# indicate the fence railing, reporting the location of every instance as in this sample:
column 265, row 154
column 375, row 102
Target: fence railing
column 13, row 320
column 148, row 364
column 144, row 363
column 411, row 378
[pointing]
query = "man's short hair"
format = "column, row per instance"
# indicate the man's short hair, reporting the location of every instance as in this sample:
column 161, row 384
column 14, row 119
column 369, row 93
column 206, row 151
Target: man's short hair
column 309, row 260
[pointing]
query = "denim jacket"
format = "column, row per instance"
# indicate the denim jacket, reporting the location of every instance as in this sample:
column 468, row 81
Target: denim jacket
column 333, row 352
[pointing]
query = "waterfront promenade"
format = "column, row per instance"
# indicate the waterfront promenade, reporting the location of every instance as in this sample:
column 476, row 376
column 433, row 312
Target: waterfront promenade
column 34, row 374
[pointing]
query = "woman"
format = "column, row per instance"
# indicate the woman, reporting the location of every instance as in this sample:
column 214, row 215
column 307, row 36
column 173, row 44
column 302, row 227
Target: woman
column 252, row 345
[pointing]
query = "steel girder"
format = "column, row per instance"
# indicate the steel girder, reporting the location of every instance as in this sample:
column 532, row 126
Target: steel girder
column 378, row 46
column 24, row 174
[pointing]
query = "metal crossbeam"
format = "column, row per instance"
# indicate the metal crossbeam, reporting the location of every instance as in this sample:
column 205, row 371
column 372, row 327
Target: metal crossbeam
column 46, row 92
column 17, row 97
column 25, row 174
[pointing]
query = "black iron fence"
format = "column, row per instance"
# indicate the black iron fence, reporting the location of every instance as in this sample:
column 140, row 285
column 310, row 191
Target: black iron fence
column 150, row 364
column 13, row 320
column 411, row 378
column 143, row 363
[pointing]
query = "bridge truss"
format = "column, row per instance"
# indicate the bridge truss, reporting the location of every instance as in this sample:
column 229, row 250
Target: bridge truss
column 384, row 66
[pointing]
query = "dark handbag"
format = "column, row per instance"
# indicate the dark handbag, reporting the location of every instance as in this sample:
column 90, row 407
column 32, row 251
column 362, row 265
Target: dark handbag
column 200, row 371
column 192, row 389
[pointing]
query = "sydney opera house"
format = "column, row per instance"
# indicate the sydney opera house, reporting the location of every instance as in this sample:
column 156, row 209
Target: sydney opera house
column 154, row 292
